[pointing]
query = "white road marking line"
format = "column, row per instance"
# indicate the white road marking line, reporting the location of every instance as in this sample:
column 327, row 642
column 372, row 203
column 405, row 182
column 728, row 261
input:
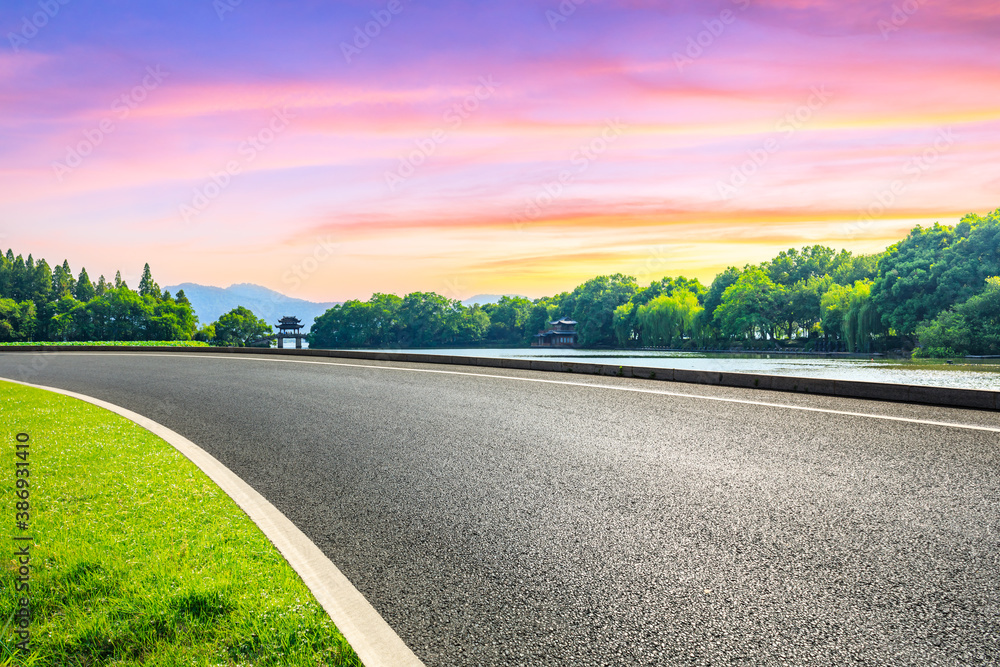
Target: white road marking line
column 660, row 392
column 375, row 642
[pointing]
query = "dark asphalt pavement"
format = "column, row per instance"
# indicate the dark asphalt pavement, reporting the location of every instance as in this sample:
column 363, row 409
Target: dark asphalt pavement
column 500, row 522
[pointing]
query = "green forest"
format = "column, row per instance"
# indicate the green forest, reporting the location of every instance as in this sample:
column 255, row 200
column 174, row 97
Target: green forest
column 937, row 290
column 40, row 303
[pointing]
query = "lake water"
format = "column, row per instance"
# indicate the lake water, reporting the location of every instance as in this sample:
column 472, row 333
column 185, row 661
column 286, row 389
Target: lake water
column 967, row 373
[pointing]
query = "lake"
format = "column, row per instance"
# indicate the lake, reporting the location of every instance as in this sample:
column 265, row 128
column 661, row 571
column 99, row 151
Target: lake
column 966, row 373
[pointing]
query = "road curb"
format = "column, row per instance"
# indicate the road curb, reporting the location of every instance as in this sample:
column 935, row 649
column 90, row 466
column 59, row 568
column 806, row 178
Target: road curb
column 979, row 399
column 375, row 642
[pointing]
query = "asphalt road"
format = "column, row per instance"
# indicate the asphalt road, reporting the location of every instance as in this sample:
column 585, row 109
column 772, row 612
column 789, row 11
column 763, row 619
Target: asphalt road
column 498, row 521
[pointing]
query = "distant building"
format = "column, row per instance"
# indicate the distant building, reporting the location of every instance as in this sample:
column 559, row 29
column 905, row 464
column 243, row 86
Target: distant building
column 290, row 327
column 562, row 334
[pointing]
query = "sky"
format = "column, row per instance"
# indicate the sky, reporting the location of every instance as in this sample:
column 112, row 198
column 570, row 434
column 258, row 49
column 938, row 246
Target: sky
column 330, row 150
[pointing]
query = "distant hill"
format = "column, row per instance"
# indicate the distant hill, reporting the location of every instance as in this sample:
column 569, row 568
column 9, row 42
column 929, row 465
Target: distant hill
column 211, row 302
column 483, row 299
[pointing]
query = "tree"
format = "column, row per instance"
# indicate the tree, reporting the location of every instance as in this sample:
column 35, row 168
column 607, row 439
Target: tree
column 39, row 290
column 905, row 289
column 99, row 321
column 948, row 335
column 748, row 306
column 428, row 319
column 668, row 319
column 850, row 269
column 713, row 297
column 63, row 284
column 972, row 327
column 205, row 334
column 40, row 285
column 472, row 325
column 85, row 290
column 17, row 320
column 625, row 319
column 861, row 319
column 791, row 266
column 148, row 286
column 508, row 318
column 802, row 304
column 18, row 279
column 972, row 258
column 171, row 320
column 374, row 323
column 239, row 327
column 69, row 321
column 6, row 272
column 625, row 326
column 543, row 311
column 345, row 325
column 834, row 306
column 384, row 324
column 127, row 315
column 935, row 268
column 594, row 303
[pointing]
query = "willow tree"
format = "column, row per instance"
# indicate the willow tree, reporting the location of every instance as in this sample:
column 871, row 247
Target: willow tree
column 861, row 321
column 625, row 324
column 670, row 318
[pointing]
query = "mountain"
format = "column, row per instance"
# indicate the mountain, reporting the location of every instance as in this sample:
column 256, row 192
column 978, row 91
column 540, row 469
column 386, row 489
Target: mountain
column 211, row 302
column 483, row 299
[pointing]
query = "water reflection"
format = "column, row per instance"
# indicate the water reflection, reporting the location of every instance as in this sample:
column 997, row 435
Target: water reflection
column 963, row 373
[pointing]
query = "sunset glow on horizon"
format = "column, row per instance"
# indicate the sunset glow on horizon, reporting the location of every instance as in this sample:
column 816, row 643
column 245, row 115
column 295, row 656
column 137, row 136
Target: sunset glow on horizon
column 470, row 147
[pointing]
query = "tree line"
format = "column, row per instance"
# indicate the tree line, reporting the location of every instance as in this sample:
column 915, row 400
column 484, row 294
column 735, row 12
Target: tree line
column 937, row 287
column 41, row 303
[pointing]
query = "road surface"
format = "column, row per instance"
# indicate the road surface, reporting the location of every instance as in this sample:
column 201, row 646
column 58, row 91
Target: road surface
column 500, row 517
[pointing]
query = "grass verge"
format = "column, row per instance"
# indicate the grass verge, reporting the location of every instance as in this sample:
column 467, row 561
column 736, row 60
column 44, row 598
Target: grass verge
column 138, row 558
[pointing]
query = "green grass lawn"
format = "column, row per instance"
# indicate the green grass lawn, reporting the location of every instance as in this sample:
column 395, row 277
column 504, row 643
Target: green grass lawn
column 138, row 558
column 125, row 343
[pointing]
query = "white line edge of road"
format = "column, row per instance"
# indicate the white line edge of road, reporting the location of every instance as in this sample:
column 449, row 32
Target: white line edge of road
column 592, row 385
column 366, row 631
